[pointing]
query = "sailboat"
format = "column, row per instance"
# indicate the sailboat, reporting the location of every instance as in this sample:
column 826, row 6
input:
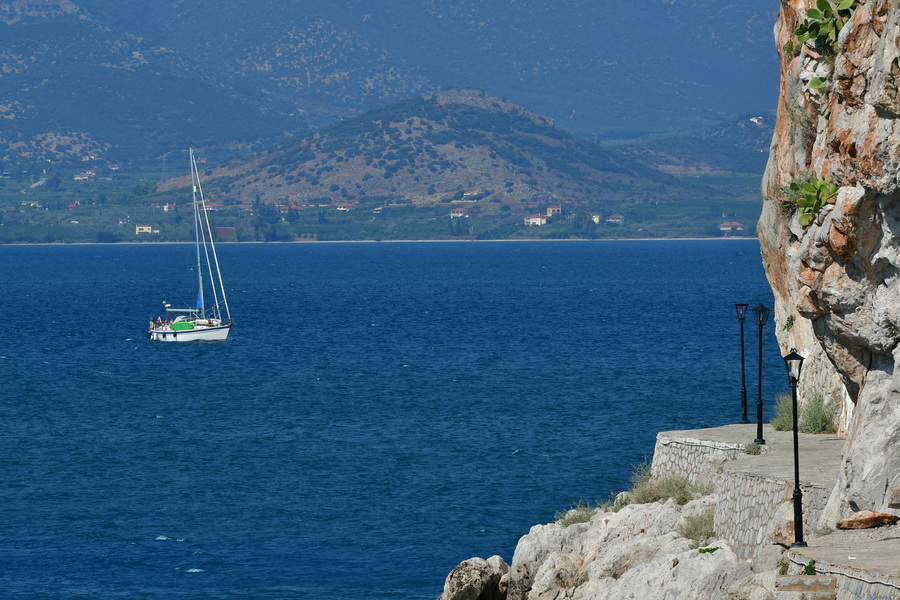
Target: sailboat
column 206, row 321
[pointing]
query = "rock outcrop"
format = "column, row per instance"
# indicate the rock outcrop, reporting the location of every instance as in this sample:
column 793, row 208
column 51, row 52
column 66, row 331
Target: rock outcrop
column 477, row 579
column 837, row 281
column 637, row 552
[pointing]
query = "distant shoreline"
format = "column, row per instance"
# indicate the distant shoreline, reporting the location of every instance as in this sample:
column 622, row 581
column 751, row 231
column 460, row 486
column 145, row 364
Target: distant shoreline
column 530, row 240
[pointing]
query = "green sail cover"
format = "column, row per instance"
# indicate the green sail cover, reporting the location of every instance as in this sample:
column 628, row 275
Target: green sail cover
column 182, row 326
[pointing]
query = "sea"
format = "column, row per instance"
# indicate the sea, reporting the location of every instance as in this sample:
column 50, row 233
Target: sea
column 380, row 413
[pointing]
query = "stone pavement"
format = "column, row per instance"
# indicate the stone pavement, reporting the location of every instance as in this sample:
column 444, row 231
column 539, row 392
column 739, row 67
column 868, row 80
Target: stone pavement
column 870, row 559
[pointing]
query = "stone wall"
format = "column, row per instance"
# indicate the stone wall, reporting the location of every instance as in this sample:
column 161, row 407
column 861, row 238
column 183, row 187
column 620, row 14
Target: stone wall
column 752, row 511
column 853, row 584
column 700, row 461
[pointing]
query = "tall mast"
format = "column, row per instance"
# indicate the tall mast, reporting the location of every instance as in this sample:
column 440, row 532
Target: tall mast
column 195, row 180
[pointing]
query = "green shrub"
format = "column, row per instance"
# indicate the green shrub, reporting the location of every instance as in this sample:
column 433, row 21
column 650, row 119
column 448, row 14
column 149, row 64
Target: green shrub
column 817, row 415
column 700, row 528
column 810, row 568
column 753, row 449
column 581, row 512
column 784, row 413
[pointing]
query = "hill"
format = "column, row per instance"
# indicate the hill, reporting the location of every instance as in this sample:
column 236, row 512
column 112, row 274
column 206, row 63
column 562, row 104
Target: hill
column 129, row 82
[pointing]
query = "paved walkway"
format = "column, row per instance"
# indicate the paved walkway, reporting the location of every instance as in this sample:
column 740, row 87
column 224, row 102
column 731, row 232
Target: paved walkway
column 871, row 553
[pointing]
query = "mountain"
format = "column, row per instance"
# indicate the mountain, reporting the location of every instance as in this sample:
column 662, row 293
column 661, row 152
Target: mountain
column 130, row 82
column 465, row 148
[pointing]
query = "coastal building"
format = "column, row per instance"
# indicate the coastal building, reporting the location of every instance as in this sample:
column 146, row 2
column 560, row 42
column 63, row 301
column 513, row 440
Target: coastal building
column 730, row 226
column 553, row 210
column 537, row 220
column 615, row 219
column 142, row 229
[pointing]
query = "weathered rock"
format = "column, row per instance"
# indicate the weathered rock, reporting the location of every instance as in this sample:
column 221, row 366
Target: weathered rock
column 866, row 519
column 635, row 553
column 804, row 586
column 477, row 579
column 781, row 530
column 894, row 496
column 838, row 279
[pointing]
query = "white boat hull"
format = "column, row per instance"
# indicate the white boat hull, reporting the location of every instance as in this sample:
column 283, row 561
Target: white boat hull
column 197, row 334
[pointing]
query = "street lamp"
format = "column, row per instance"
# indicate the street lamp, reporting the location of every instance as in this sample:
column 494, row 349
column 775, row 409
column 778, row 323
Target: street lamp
column 794, row 362
column 760, row 316
column 741, row 310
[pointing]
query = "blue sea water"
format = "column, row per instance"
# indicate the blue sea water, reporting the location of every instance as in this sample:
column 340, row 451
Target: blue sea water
column 380, row 413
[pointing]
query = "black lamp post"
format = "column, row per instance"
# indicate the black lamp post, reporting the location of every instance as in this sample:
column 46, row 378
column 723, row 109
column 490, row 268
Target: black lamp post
column 760, row 316
column 794, row 362
column 741, row 315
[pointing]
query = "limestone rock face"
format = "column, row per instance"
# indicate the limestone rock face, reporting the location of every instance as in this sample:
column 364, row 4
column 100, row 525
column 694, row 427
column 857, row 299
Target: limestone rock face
column 837, row 281
column 635, row 553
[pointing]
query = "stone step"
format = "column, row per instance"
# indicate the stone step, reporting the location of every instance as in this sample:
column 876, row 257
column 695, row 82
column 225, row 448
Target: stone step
column 805, row 587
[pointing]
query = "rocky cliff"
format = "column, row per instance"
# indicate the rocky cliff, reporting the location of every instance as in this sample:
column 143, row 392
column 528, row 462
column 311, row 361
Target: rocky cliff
column 836, row 279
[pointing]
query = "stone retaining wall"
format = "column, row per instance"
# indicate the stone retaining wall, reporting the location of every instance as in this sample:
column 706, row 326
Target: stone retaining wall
column 751, row 509
column 852, row 584
column 700, row 461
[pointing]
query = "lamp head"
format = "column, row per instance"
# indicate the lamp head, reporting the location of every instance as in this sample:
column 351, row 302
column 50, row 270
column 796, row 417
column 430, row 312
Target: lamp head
column 793, row 362
column 741, row 310
column 760, row 315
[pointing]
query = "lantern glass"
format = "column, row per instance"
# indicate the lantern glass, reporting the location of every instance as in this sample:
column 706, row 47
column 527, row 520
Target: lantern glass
column 741, row 310
column 760, row 315
column 793, row 362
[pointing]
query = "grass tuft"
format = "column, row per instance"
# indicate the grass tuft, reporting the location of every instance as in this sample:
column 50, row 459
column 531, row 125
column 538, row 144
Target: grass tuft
column 784, row 413
column 581, row 512
column 700, row 528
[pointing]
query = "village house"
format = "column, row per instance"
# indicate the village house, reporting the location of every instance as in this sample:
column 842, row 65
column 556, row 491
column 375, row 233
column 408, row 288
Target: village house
column 553, row 210
column 458, row 213
column 730, row 226
column 345, row 206
column 169, row 207
column 615, row 219
column 142, row 229
column 214, row 206
column 536, row 220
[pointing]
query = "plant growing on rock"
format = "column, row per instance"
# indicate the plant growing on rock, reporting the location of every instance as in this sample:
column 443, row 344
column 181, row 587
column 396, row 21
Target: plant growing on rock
column 579, row 513
column 700, row 528
column 784, row 413
column 824, row 23
column 811, row 196
column 817, row 415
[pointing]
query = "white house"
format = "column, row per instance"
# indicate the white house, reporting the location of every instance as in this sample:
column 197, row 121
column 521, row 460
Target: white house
column 730, row 226
column 536, row 220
